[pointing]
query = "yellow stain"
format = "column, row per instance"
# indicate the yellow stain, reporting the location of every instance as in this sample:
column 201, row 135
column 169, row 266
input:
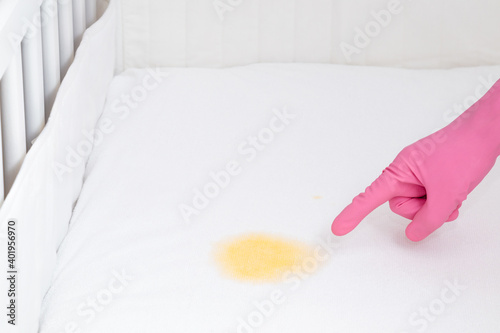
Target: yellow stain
column 259, row 257
column 317, row 197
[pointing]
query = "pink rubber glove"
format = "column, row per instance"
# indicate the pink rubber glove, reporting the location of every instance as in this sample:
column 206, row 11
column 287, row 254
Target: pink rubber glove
column 429, row 180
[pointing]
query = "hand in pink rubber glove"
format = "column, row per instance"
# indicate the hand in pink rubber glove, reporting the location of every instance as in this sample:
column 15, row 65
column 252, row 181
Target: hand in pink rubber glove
column 429, row 180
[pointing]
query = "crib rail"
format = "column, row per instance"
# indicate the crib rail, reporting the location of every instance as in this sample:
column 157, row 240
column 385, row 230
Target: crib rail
column 37, row 45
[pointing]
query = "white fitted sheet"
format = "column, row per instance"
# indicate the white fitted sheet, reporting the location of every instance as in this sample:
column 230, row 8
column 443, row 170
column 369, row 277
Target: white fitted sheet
column 350, row 123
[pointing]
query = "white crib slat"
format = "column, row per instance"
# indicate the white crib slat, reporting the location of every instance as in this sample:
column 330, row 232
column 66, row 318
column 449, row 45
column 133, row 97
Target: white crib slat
column 66, row 44
column 33, row 86
column 79, row 21
column 13, row 128
column 90, row 11
column 51, row 63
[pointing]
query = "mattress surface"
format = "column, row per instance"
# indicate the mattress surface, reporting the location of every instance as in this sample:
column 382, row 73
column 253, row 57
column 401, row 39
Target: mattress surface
column 187, row 160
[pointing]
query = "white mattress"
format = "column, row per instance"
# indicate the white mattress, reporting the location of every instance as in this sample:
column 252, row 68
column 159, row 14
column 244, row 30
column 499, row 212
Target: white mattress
column 349, row 123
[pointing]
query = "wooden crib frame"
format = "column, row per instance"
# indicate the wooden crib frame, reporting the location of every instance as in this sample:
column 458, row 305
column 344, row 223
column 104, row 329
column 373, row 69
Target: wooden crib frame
column 37, row 45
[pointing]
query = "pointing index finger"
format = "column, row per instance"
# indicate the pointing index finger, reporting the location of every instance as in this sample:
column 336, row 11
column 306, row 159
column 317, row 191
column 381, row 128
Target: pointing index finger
column 380, row 191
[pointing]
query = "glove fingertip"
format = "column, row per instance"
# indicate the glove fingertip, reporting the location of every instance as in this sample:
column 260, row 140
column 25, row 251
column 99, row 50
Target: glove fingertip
column 345, row 222
column 339, row 228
